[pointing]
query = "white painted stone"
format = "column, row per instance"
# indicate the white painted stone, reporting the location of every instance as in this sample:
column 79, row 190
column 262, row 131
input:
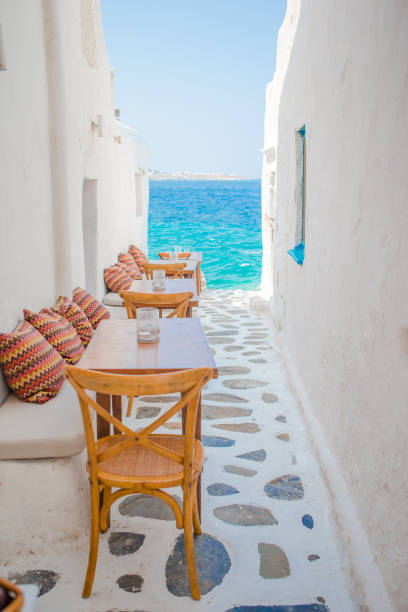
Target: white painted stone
column 340, row 316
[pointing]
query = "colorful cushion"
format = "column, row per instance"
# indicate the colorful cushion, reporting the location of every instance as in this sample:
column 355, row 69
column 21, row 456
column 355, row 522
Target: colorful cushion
column 32, row 368
column 130, row 270
column 78, row 319
column 116, row 279
column 59, row 332
column 138, row 256
column 93, row 309
column 131, row 266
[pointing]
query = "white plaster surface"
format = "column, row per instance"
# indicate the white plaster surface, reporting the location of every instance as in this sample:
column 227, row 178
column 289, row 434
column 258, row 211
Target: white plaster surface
column 46, row 504
column 343, row 73
column 58, row 80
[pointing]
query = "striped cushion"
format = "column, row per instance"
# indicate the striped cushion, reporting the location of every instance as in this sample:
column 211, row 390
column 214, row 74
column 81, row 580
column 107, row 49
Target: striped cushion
column 138, row 256
column 90, row 306
column 32, row 368
column 132, row 267
column 117, row 279
column 59, row 333
column 78, row 319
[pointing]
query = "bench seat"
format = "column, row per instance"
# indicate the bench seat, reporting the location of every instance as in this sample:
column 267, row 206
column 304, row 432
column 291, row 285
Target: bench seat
column 38, row 431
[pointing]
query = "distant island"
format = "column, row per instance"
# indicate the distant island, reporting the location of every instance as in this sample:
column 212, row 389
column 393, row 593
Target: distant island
column 159, row 175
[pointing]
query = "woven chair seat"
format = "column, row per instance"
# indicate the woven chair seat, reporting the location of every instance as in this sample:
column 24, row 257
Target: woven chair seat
column 138, row 463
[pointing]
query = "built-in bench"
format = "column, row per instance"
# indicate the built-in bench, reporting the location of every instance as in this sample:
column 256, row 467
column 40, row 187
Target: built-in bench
column 38, row 431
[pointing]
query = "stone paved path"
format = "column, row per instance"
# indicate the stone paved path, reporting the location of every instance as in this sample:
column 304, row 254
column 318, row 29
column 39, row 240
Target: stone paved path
column 268, row 540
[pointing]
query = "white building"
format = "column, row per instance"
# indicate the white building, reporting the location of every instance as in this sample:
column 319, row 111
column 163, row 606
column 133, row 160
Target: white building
column 335, row 179
column 74, row 187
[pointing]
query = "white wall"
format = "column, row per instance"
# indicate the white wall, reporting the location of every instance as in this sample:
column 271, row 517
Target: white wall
column 342, row 315
column 57, row 81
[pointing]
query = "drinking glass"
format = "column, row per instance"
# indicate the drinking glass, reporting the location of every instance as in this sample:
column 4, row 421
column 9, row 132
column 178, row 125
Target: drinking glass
column 147, row 324
column 177, row 251
column 159, row 280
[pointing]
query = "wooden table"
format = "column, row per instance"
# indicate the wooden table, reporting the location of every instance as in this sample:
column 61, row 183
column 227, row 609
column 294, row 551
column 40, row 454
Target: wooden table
column 192, row 269
column 114, row 348
column 173, row 285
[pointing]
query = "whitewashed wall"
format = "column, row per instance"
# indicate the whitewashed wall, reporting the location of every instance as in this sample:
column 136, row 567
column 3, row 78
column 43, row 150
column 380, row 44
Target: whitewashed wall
column 342, row 316
column 57, row 81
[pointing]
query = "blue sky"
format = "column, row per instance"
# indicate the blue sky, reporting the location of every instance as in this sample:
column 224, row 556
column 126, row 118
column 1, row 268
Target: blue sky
column 191, row 78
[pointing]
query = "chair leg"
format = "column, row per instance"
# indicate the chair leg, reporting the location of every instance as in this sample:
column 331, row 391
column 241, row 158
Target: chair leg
column 189, row 543
column 104, row 523
column 94, row 541
column 196, row 516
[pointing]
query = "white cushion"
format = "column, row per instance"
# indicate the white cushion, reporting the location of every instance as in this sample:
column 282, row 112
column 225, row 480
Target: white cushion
column 34, row 431
column 112, row 299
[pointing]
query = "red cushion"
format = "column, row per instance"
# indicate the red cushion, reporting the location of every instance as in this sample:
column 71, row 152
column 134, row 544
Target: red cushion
column 59, row 333
column 78, row 319
column 93, row 309
column 32, row 368
column 116, row 279
column 138, row 256
column 126, row 259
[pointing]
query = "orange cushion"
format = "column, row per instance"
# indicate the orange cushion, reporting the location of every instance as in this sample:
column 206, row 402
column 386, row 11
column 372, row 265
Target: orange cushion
column 78, row 319
column 126, row 259
column 117, row 279
column 32, row 368
column 138, row 256
column 93, row 309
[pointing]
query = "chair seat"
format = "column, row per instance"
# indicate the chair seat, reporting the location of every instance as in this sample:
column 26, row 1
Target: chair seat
column 137, row 463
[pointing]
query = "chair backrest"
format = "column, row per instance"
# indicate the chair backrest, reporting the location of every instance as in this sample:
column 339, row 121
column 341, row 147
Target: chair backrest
column 163, row 301
column 186, row 382
column 184, row 255
column 172, row 270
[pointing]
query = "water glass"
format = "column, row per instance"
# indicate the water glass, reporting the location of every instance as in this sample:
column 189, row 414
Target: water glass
column 147, row 324
column 177, row 251
column 159, row 280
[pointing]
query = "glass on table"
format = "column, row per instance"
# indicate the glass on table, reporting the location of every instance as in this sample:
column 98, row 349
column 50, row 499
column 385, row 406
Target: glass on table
column 147, row 324
column 159, row 280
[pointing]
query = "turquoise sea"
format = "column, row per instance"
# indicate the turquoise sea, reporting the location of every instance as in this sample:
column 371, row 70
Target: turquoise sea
column 220, row 218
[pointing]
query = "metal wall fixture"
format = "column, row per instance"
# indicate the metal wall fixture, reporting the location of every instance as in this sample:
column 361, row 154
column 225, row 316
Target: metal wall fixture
column 3, row 65
column 98, row 125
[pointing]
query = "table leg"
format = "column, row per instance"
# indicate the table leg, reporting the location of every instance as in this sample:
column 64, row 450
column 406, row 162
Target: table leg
column 198, row 277
column 102, row 426
column 198, row 437
column 117, row 410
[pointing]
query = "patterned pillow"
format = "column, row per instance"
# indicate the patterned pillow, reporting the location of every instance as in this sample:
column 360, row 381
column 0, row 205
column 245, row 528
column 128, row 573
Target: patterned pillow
column 133, row 268
column 59, row 333
column 130, row 270
column 117, row 279
column 32, row 368
column 93, row 309
column 78, row 319
column 138, row 256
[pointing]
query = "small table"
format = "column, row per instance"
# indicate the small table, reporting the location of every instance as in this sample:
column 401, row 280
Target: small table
column 173, row 285
column 192, row 269
column 114, row 348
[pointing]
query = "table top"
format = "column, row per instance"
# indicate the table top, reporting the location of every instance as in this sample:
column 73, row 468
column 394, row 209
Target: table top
column 173, row 285
column 181, row 345
column 198, row 255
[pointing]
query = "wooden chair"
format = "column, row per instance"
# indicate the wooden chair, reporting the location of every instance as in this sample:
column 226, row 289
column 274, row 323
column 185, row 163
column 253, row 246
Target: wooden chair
column 16, row 605
column 172, row 270
column 178, row 302
column 184, row 255
column 142, row 462
column 165, row 301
